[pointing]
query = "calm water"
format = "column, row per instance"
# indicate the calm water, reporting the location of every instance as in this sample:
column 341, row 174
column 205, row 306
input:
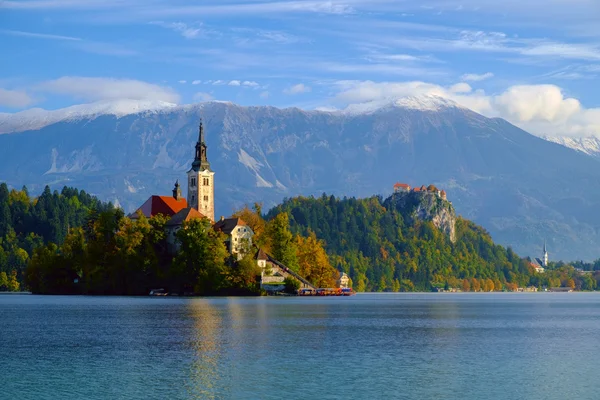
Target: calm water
column 413, row 346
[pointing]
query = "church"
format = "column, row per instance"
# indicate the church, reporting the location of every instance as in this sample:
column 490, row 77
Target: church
column 200, row 203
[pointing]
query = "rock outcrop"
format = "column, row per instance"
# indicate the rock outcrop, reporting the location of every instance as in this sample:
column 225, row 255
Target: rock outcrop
column 425, row 206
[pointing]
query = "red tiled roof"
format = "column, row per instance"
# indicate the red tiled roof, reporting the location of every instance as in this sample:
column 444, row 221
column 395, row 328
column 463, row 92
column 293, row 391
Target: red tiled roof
column 416, row 190
column 166, row 205
column 401, row 185
column 185, row 214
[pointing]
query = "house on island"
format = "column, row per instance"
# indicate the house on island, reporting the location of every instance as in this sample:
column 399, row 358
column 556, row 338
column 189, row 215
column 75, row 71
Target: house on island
column 274, row 273
column 239, row 235
column 344, row 281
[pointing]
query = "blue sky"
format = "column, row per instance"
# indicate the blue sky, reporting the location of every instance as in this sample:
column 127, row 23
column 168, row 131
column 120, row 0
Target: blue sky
column 534, row 62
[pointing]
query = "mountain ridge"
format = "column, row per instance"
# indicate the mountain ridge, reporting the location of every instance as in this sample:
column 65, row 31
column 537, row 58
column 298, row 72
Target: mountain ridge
column 520, row 187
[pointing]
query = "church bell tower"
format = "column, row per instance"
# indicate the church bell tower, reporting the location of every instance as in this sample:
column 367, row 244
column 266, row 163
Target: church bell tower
column 201, row 186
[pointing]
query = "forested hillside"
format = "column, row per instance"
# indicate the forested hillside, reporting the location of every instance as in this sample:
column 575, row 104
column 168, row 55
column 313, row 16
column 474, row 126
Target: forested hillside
column 383, row 247
column 27, row 223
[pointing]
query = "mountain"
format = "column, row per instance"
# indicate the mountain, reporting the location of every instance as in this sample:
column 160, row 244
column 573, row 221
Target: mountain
column 522, row 188
column 588, row 145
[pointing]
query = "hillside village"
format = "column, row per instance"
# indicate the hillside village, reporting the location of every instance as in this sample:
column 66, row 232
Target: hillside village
column 200, row 203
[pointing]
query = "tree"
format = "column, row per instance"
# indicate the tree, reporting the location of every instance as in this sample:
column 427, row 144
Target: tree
column 200, row 262
column 243, row 277
column 13, row 283
column 314, row 263
column 256, row 222
column 475, row 285
column 283, row 248
column 3, row 281
column 466, row 286
column 291, row 285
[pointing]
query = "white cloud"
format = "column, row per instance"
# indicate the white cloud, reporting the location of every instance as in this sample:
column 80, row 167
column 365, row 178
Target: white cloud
column 196, row 82
column 234, row 83
column 540, row 109
column 218, row 82
column 527, row 103
column 182, row 28
column 250, row 84
column 202, row 96
column 264, row 95
column 39, row 35
column 94, row 89
column 15, row 98
column 297, row 89
column 476, row 77
column 461, row 88
column 182, row 81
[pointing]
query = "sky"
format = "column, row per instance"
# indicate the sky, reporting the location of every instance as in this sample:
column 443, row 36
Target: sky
column 534, row 62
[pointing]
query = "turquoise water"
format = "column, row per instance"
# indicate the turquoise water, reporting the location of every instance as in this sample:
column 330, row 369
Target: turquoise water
column 369, row 346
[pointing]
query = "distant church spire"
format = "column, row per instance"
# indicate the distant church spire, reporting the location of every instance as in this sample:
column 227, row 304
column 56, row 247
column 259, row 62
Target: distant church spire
column 201, row 159
column 545, row 257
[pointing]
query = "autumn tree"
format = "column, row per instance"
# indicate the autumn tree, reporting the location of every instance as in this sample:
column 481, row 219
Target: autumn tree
column 466, row 286
column 313, row 261
column 256, row 222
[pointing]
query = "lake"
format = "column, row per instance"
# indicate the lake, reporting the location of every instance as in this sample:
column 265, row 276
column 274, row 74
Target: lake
column 369, row 346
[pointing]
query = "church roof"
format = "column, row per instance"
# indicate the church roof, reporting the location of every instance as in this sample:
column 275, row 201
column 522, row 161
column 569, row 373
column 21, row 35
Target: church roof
column 261, row 255
column 165, row 205
column 183, row 215
column 227, row 225
column 401, row 185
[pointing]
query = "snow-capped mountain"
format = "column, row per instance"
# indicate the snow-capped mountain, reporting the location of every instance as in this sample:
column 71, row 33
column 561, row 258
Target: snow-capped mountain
column 518, row 186
column 37, row 118
column 587, row 145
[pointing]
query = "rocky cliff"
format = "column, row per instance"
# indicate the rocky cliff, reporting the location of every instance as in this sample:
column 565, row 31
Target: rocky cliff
column 425, row 206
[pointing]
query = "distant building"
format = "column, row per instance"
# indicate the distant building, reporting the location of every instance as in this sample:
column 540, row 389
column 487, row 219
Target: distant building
column 545, row 256
column 344, row 281
column 443, row 195
column 239, row 235
column 537, row 266
column 401, row 188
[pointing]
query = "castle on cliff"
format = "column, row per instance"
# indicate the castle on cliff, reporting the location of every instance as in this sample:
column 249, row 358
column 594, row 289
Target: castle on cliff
column 404, row 188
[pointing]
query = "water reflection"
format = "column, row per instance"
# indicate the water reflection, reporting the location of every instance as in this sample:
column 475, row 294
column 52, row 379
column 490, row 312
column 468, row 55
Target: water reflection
column 206, row 381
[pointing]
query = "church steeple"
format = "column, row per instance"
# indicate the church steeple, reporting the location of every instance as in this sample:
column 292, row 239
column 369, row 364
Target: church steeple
column 177, row 191
column 545, row 256
column 201, row 159
column 201, row 185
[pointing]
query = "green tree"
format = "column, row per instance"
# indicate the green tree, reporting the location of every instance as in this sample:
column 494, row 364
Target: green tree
column 199, row 265
column 283, row 248
column 3, row 281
